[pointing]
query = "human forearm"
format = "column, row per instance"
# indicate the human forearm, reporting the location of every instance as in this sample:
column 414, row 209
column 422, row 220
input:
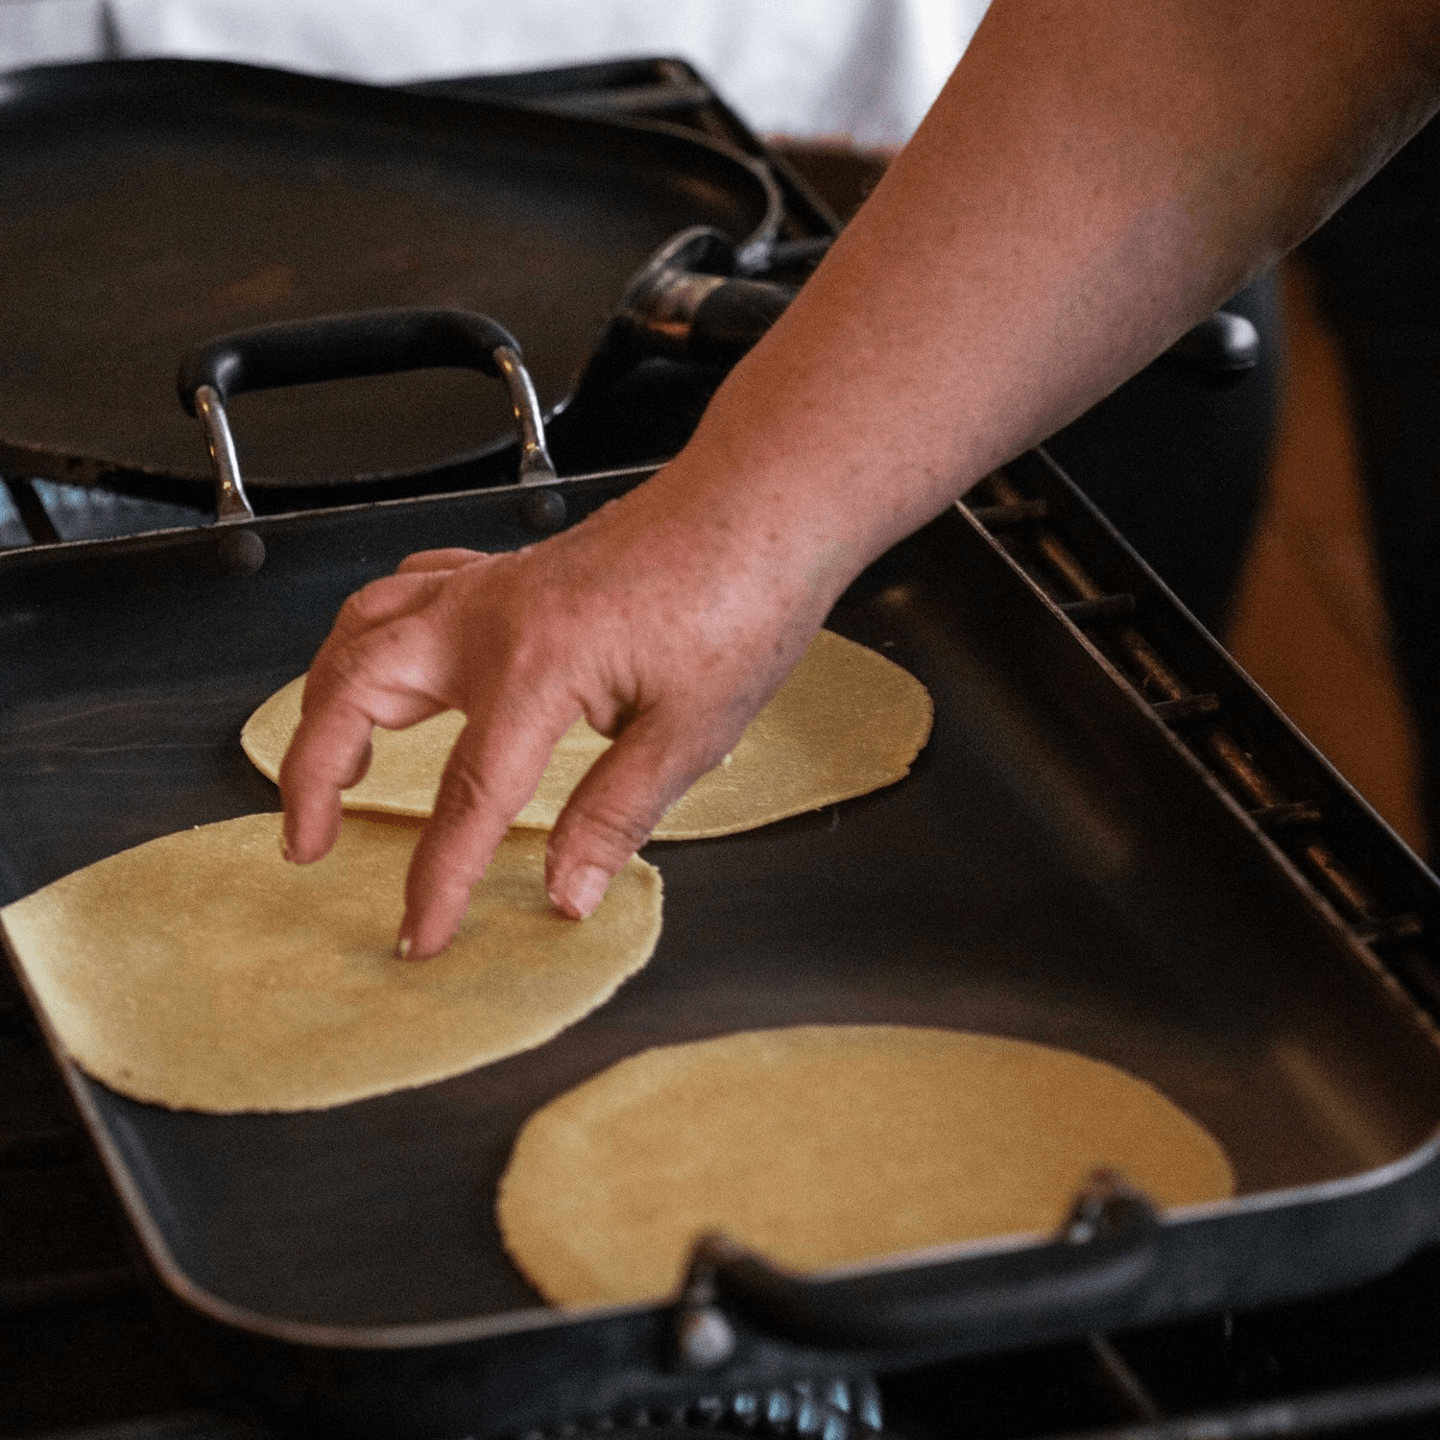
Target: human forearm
column 1094, row 179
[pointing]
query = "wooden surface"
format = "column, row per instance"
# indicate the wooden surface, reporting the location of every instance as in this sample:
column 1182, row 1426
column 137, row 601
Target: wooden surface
column 1309, row 624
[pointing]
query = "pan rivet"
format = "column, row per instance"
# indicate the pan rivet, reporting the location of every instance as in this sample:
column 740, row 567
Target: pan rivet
column 706, row 1338
column 543, row 510
column 240, row 552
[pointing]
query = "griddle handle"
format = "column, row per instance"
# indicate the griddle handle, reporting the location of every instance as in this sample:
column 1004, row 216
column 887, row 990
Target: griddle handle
column 342, row 347
column 1104, row 1256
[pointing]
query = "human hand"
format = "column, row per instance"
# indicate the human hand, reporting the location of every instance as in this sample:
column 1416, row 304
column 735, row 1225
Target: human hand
column 666, row 632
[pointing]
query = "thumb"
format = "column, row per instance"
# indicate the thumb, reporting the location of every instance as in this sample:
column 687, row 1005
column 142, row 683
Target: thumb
column 612, row 811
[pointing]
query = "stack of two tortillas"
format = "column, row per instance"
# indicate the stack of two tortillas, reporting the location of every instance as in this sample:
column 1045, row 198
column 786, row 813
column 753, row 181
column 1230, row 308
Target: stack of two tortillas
column 169, row 981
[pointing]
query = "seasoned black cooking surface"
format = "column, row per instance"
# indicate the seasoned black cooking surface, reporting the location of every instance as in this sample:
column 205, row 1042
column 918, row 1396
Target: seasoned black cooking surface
column 1028, row 878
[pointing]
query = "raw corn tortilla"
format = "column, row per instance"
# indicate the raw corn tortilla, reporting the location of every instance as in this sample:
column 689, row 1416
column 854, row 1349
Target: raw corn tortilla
column 201, row 971
column 846, row 722
column 818, row 1146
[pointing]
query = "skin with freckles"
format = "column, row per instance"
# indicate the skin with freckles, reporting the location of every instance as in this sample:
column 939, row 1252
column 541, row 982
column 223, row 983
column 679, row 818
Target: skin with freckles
column 1094, row 180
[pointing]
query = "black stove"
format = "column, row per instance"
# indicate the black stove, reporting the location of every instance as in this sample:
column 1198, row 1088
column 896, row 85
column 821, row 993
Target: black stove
column 83, row 1353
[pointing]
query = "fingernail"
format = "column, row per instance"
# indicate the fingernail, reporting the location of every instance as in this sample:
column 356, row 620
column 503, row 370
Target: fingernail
column 402, row 947
column 285, row 850
column 586, row 890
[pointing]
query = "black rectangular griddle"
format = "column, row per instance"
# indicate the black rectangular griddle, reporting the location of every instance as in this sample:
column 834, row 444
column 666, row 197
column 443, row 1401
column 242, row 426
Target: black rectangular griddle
column 1059, row 866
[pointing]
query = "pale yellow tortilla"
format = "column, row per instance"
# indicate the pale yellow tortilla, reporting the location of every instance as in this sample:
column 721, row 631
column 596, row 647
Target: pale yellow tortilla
column 846, row 722
column 201, row 971
column 822, row 1145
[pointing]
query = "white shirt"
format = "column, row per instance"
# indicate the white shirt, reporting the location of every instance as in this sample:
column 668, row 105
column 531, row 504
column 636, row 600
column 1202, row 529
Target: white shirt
column 864, row 69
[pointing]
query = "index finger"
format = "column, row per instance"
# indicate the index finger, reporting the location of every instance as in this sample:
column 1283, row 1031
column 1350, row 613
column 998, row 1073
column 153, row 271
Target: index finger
column 327, row 755
column 370, row 671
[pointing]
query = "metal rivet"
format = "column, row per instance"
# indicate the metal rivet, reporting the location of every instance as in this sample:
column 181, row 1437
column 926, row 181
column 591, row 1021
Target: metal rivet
column 240, row 552
column 705, row 1337
column 543, row 510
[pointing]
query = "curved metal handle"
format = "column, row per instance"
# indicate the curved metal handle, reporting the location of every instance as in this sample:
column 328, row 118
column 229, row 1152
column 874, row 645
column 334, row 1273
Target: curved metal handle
column 687, row 303
column 341, row 347
column 1104, row 1252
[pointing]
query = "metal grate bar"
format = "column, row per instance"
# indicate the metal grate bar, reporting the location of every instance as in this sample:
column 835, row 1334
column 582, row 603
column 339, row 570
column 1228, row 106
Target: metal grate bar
column 1099, row 610
column 1221, row 752
column 1122, row 1383
column 1012, row 515
column 31, row 510
column 1187, row 707
column 1390, row 929
column 1294, row 816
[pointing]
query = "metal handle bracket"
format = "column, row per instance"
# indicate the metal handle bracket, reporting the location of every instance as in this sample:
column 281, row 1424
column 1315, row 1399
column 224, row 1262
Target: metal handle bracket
column 336, row 347
column 1103, row 1253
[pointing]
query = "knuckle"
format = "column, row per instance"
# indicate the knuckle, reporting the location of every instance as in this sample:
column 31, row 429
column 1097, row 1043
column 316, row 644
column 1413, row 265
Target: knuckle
column 395, row 656
column 384, row 599
column 694, row 743
column 405, row 646
column 356, row 615
column 322, row 764
column 606, row 834
column 463, row 793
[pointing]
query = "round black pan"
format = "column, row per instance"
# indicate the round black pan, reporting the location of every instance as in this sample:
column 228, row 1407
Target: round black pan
column 146, row 206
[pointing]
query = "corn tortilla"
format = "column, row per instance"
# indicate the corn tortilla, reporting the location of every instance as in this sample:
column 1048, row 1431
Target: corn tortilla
column 819, row 1146
column 201, row 971
column 846, row 722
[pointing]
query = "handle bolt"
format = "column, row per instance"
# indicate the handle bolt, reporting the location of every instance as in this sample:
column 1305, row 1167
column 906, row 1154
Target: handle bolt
column 705, row 1337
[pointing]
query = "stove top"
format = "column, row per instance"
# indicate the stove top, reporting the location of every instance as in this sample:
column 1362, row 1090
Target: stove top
column 82, row 1353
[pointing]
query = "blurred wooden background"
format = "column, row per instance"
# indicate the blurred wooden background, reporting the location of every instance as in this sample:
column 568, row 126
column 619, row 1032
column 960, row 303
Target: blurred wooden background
column 1309, row 624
